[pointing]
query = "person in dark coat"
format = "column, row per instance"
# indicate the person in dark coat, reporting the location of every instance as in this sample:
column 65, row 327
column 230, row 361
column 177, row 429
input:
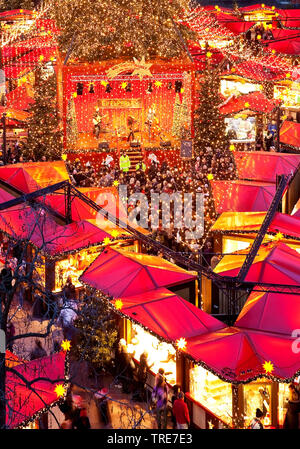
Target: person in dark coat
column 140, row 394
column 38, row 351
column 291, row 420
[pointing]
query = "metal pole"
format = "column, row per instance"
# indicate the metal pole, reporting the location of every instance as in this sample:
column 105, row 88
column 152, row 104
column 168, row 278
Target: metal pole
column 278, row 130
column 4, row 138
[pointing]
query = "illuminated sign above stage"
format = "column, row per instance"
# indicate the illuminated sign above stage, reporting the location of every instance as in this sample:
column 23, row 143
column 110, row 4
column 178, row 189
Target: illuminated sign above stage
column 138, row 68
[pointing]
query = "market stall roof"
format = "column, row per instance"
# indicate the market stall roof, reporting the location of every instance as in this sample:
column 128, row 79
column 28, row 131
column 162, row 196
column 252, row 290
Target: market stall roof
column 167, row 315
column 242, row 196
column 285, row 41
column 15, row 14
column 290, row 134
column 275, row 263
column 290, row 18
column 120, row 273
column 270, row 312
column 22, row 401
column 14, row 114
column 251, row 222
column 237, row 355
column 252, row 165
column 42, row 230
column 263, row 69
column 21, row 97
column 31, row 176
column 255, row 102
column 19, row 48
column 107, row 197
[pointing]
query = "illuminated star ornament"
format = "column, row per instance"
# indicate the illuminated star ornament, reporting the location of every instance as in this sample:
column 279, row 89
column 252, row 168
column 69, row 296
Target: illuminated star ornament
column 60, row 390
column 181, row 344
column 118, row 304
column 231, row 147
column 114, row 233
column 210, row 176
column 124, row 85
column 142, row 69
column 116, row 183
column 66, row 345
column 278, row 236
column 158, row 83
column 268, row 367
column 104, row 83
column 106, row 241
column 247, row 105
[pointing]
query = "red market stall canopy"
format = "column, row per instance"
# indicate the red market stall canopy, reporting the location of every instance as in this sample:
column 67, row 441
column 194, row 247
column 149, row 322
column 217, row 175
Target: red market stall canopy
column 275, row 263
column 285, row 41
column 14, row 114
column 247, row 222
column 252, row 165
column 21, row 97
column 37, row 226
column 31, row 176
column 167, row 315
column 254, row 102
column 23, row 402
column 239, row 356
column 270, row 312
column 119, row 273
column 290, row 18
column 290, row 134
column 20, row 48
column 263, row 69
column 242, row 196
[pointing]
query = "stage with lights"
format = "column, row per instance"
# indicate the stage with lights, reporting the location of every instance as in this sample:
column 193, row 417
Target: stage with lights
column 136, row 106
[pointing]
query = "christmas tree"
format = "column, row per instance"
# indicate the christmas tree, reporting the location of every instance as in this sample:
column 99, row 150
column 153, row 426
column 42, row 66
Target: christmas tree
column 211, row 143
column 44, row 135
column 176, row 128
column 97, row 332
column 104, row 29
column 72, row 129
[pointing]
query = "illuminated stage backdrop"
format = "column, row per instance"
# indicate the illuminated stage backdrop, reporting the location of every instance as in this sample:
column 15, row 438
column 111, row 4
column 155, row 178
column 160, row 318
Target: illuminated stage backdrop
column 168, row 87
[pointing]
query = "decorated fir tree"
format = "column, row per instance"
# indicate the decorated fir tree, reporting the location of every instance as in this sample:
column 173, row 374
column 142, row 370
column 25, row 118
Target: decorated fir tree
column 44, row 135
column 97, row 332
column 211, row 143
column 72, row 128
column 104, row 29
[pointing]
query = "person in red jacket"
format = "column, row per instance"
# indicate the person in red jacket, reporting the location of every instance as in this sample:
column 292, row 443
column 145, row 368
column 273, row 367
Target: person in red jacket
column 181, row 412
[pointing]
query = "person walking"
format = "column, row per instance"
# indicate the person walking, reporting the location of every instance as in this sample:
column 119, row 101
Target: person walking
column 291, row 420
column 176, row 391
column 140, row 394
column 160, row 398
column 181, row 412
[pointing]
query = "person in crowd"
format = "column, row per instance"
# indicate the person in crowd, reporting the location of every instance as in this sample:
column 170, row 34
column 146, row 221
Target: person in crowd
column 142, row 377
column 256, row 421
column 101, row 398
column 69, row 290
column 126, row 369
column 176, row 391
column 9, row 334
column 82, row 422
column 6, row 276
column 160, row 399
column 181, row 412
column 291, row 420
column 38, row 351
column 269, row 140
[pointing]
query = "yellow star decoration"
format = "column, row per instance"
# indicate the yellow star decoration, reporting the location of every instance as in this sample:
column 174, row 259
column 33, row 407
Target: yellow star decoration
column 74, row 94
column 60, row 390
column 210, row 176
column 106, row 241
column 158, row 83
column 104, row 83
column 66, row 345
column 64, row 157
column 42, row 57
column 247, row 104
column 209, row 54
column 142, row 68
column 284, row 117
column 181, row 344
column 258, row 37
column 278, row 236
column 118, row 304
column 232, row 147
column 273, row 51
column 124, row 85
column 114, row 233
column 268, row 367
column 182, row 90
column 116, row 183
column 288, row 75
